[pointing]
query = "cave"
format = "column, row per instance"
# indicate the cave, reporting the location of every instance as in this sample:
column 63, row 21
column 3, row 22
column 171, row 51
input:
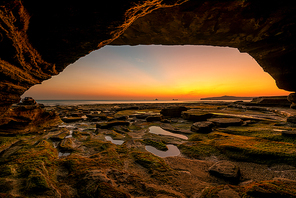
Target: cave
column 233, row 150
column 39, row 39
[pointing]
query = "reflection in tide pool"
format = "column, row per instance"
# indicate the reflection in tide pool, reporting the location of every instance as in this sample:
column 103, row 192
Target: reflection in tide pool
column 63, row 154
column 159, row 131
column 172, row 151
column 117, row 142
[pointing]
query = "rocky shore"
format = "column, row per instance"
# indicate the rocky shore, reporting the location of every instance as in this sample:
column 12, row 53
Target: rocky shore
column 219, row 149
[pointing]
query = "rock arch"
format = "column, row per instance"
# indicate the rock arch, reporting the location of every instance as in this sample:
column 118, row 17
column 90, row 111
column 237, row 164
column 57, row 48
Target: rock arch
column 39, row 39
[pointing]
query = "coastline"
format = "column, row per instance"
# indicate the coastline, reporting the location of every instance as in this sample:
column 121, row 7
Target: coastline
column 94, row 102
column 174, row 148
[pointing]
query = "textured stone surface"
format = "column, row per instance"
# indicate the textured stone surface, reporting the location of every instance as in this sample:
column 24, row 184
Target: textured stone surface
column 202, row 127
column 27, row 119
column 196, row 115
column 225, row 122
column 39, row 39
column 226, row 170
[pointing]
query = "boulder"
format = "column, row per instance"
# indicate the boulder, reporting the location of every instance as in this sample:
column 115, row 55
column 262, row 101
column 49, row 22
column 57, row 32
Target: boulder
column 67, row 144
column 202, row 127
column 153, row 118
column 292, row 97
column 289, row 133
column 228, row 192
column 173, row 111
column 196, row 115
column 226, row 170
column 27, row 101
column 27, row 119
column 225, row 122
column 292, row 119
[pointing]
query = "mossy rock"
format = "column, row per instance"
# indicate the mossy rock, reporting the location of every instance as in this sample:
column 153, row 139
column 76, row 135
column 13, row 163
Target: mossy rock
column 35, row 159
column 156, row 143
column 196, row 137
column 61, row 135
column 67, row 144
column 253, row 149
column 5, row 185
column 198, row 149
column 6, row 170
column 150, row 161
column 36, row 183
column 98, row 145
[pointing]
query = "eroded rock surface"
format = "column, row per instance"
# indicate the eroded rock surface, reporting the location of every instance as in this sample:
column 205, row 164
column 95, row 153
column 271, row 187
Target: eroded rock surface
column 77, row 159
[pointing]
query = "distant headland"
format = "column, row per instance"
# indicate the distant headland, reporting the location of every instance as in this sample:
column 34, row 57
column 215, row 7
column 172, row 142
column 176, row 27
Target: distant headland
column 227, row 98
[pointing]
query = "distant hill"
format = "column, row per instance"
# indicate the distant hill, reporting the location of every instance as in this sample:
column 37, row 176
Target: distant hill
column 227, row 98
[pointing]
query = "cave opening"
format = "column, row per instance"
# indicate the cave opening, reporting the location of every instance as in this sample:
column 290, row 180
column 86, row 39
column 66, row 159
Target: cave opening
column 147, row 72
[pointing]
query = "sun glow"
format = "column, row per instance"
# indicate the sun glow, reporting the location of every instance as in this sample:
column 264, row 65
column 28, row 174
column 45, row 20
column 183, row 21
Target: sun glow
column 163, row 72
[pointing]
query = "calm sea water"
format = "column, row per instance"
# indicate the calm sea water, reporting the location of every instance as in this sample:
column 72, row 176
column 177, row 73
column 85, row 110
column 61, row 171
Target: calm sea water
column 83, row 102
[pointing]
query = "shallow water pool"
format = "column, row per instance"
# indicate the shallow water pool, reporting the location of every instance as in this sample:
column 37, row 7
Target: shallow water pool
column 117, row 142
column 172, row 151
column 159, row 131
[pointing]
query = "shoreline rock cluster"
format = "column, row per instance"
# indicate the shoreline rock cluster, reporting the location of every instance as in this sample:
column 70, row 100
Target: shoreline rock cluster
column 233, row 150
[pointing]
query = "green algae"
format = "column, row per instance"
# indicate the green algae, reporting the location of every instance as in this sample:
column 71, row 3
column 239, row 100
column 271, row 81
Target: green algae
column 264, row 130
column 36, row 183
column 160, row 145
column 35, row 164
column 253, row 149
column 198, row 149
column 150, row 161
column 98, row 145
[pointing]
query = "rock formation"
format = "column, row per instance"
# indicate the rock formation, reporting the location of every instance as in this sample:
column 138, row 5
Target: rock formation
column 39, row 39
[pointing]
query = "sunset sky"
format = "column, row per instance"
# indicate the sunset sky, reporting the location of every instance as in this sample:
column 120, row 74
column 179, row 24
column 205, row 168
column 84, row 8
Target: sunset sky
column 162, row 72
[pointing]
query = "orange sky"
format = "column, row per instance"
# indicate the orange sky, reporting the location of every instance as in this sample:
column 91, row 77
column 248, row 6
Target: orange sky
column 163, row 72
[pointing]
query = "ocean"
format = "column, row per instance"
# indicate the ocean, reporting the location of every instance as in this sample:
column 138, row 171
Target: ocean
column 84, row 102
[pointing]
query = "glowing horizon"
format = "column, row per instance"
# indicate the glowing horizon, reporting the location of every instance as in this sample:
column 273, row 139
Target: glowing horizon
column 162, row 72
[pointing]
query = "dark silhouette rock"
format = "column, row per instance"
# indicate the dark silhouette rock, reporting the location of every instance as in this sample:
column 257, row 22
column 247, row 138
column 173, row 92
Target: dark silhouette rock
column 292, row 99
column 27, row 101
column 289, row 133
column 202, row 127
column 292, row 119
column 107, row 125
column 196, row 115
column 153, row 118
column 173, row 111
column 272, row 101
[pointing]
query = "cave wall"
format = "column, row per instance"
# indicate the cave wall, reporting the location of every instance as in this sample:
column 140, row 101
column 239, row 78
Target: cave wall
column 38, row 39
